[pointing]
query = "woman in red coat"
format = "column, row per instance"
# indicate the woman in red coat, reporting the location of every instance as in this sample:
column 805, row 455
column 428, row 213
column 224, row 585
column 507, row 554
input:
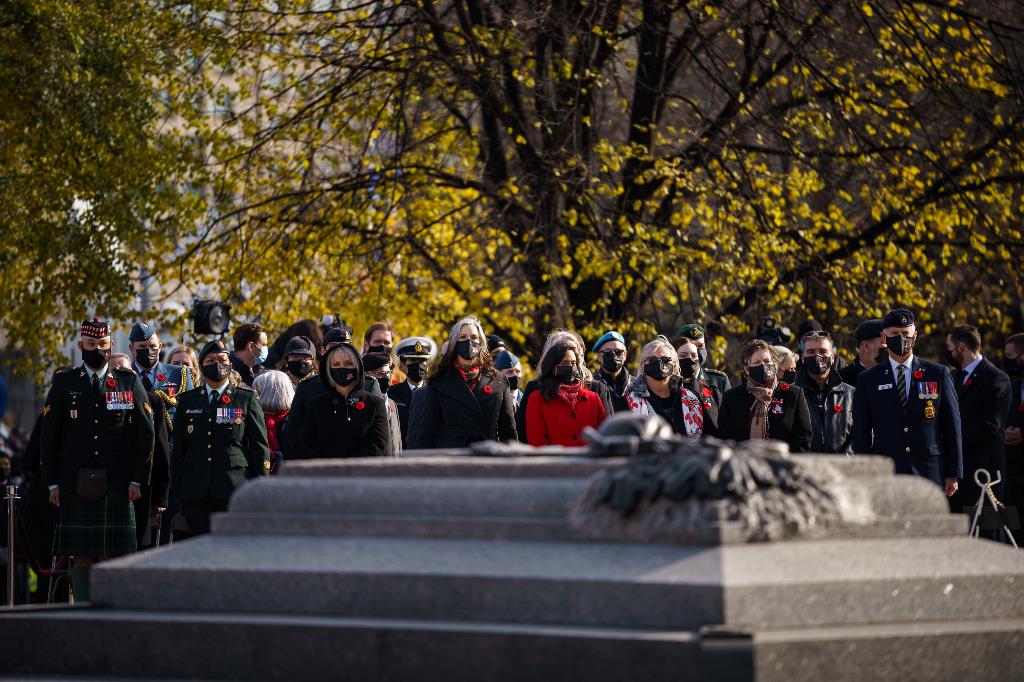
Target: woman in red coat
column 559, row 410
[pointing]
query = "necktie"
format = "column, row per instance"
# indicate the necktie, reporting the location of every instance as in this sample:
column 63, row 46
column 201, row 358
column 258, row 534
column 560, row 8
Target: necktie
column 147, row 383
column 901, row 385
column 96, row 385
column 213, row 397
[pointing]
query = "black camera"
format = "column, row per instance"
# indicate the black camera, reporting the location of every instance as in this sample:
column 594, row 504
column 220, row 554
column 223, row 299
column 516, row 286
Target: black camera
column 771, row 333
column 210, row 317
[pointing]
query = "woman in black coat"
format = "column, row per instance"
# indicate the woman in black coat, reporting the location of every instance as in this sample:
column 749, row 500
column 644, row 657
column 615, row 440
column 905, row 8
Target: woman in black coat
column 347, row 420
column 764, row 407
column 465, row 400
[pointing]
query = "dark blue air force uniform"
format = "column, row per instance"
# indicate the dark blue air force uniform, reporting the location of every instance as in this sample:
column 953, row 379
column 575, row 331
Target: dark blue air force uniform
column 924, row 439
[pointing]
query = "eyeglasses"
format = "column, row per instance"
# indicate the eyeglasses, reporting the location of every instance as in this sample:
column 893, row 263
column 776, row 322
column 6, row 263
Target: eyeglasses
column 664, row 362
column 617, row 352
column 816, row 335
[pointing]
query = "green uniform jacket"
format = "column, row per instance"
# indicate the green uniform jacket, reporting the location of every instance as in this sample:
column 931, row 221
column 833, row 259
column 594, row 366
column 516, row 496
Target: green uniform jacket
column 715, row 379
column 80, row 429
column 217, row 447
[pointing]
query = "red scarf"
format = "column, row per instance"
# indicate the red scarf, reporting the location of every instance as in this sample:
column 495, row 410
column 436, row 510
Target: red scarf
column 272, row 419
column 570, row 393
column 471, row 377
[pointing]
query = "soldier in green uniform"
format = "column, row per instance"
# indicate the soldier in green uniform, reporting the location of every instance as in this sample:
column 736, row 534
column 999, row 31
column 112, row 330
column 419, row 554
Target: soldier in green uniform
column 220, row 441
column 712, row 377
column 96, row 440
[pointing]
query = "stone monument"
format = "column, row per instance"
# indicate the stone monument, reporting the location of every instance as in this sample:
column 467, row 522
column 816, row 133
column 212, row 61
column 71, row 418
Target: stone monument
column 682, row 562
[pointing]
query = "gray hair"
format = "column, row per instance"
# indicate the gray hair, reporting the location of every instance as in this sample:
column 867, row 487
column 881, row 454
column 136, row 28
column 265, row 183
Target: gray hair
column 115, row 356
column 648, row 350
column 352, row 353
column 784, row 353
column 275, row 390
column 453, row 334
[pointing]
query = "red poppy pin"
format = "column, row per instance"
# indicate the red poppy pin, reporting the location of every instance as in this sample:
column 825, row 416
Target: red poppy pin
column 783, row 387
column 161, row 377
column 837, row 408
column 968, row 382
column 488, row 390
column 225, row 399
column 706, row 391
column 1020, row 408
column 111, row 383
column 919, row 374
column 360, row 405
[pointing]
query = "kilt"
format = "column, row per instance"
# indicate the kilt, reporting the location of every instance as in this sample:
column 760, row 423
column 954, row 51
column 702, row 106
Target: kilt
column 95, row 529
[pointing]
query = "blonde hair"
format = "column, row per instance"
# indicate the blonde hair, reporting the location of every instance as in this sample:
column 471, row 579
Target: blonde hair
column 192, row 360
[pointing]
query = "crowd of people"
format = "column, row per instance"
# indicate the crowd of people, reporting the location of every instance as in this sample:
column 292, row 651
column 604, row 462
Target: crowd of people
column 132, row 447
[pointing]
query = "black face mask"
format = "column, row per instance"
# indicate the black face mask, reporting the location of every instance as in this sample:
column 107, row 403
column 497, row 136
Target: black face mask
column 343, row 376
column 467, row 349
column 1012, row 366
column 656, row 370
column 513, row 382
column 818, row 365
column 610, row 362
column 566, row 374
column 146, row 357
column 415, row 371
column 96, row 358
column 882, row 356
column 381, row 350
column 217, row 372
column 300, row 368
column 789, row 377
column 384, row 383
column 899, row 345
column 688, row 368
column 761, row 374
column 950, row 357
column 702, row 356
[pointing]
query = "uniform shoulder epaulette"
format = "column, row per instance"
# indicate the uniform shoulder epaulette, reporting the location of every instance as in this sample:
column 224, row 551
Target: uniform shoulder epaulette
column 713, row 371
column 240, row 387
column 189, row 392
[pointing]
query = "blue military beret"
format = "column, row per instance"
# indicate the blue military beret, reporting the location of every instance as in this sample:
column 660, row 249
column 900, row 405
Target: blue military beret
column 608, row 336
column 505, row 360
column 140, row 332
column 900, row 317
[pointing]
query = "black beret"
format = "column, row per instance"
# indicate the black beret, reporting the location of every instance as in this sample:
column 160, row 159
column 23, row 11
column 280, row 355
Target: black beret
column 494, row 341
column 871, row 329
column 900, row 317
column 337, row 335
column 808, row 326
column 215, row 346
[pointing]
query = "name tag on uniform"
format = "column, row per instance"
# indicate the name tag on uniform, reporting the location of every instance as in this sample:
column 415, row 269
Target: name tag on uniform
column 229, row 415
column 193, row 411
column 120, row 400
column 884, row 387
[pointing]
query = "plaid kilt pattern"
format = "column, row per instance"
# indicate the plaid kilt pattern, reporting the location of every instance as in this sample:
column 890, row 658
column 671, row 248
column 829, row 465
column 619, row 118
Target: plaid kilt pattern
column 104, row 528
